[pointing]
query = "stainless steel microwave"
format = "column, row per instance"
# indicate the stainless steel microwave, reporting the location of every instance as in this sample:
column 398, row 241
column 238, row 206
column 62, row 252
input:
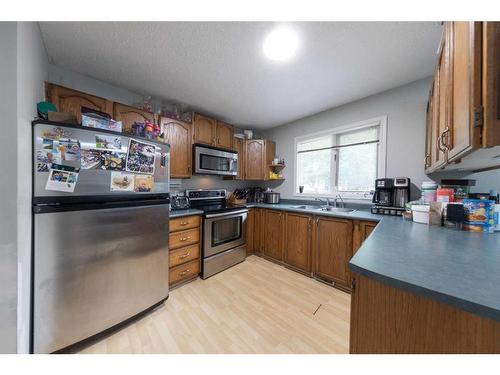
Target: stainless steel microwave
column 208, row 160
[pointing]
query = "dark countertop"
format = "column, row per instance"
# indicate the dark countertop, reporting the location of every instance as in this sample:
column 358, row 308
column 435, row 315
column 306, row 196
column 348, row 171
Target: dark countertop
column 180, row 213
column 459, row 268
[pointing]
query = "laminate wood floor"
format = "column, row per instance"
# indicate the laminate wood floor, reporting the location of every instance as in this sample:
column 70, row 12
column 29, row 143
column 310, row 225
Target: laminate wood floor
column 255, row 307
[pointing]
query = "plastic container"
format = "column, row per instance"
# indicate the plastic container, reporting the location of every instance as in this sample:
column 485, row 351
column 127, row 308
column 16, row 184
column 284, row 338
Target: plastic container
column 496, row 217
column 420, row 213
column 445, row 195
column 429, row 191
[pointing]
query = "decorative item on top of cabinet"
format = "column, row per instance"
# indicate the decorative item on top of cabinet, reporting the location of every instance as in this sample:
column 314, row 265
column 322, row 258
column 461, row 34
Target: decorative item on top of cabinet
column 298, row 235
column 204, row 130
column 184, row 249
column 333, row 250
column 129, row 115
column 224, row 135
column 178, row 135
column 272, row 236
column 72, row 101
column 463, row 105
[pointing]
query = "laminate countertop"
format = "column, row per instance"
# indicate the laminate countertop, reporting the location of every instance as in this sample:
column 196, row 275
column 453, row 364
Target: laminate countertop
column 181, row 213
column 459, row 268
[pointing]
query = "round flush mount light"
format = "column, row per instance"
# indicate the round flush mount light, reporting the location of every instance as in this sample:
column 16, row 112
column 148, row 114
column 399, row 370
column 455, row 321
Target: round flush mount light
column 281, row 44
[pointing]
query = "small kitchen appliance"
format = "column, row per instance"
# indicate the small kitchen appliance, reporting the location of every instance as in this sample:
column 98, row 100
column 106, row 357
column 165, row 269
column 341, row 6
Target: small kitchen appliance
column 224, row 230
column 210, row 160
column 391, row 195
column 179, row 202
column 271, row 197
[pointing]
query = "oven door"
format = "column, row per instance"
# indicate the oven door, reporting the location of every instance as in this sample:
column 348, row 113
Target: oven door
column 224, row 231
column 212, row 161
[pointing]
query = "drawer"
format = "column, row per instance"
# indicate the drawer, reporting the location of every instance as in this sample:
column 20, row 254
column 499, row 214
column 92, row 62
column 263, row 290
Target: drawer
column 184, row 238
column 183, row 223
column 183, row 272
column 183, row 255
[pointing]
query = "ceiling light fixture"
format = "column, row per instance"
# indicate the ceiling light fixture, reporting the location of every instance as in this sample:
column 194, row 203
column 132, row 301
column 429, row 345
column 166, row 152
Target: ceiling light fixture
column 281, row 44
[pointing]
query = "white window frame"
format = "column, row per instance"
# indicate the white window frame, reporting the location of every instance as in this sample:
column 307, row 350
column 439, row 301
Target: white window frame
column 380, row 121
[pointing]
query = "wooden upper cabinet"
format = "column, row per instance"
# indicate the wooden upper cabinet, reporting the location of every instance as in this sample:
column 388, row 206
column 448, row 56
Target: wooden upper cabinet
column 297, row 249
column 491, row 87
column 129, row 115
column 458, row 133
column 259, row 153
column 72, row 101
column 178, row 135
column 465, row 99
column 205, row 130
column 239, row 147
column 254, row 159
column 272, row 236
column 224, row 135
column 333, row 250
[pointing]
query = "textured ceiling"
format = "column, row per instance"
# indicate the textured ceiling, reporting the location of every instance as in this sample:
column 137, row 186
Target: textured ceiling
column 219, row 68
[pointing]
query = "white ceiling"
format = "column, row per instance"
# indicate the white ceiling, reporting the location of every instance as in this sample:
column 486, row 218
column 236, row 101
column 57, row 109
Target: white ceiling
column 219, row 68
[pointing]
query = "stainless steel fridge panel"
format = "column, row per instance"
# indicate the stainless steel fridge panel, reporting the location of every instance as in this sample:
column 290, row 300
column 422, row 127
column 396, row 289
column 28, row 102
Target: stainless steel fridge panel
column 94, row 269
column 94, row 181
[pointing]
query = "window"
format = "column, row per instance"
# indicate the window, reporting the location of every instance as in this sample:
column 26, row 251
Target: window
column 342, row 161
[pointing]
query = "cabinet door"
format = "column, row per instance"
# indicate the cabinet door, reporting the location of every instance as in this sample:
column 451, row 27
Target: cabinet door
column 297, row 249
column 72, row 101
column 254, row 159
column 258, row 243
column 239, row 147
column 443, row 98
column 333, row 250
column 458, row 136
column 129, row 115
column 429, row 126
column 204, row 130
column 178, row 135
column 225, row 135
column 491, row 79
column 273, row 234
column 250, row 232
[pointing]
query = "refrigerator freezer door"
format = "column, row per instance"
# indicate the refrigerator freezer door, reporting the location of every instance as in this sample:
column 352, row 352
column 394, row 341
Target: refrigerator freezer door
column 94, row 269
column 94, row 181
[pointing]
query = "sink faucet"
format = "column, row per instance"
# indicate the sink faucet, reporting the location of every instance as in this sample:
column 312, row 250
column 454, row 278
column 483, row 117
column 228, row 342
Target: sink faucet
column 325, row 201
column 336, row 199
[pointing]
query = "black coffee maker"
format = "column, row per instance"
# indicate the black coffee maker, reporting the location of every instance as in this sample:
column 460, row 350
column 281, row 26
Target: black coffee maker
column 391, row 195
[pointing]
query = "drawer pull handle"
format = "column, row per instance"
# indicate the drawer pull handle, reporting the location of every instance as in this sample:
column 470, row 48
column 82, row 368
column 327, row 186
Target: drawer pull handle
column 184, row 238
column 184, row 223
column 184, row 272
column 184, row 256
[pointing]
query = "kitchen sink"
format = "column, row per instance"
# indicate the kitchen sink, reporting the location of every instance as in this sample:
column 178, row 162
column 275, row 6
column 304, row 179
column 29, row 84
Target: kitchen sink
column 336, row 209
column 307, row 207
column 323, row 208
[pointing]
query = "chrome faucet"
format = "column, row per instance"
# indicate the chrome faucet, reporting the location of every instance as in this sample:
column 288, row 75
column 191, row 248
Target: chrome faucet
column 335, row 201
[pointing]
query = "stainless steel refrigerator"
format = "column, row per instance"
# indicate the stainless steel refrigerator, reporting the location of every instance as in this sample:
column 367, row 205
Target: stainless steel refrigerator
column 100, row 231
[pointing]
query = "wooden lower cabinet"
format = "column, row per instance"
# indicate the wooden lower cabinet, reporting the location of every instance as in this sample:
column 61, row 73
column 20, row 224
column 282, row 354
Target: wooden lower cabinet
column 387, row 320
column 298, row 235
column 184, row 249
column 332, row 250
column 272, row 234
column 319, row 246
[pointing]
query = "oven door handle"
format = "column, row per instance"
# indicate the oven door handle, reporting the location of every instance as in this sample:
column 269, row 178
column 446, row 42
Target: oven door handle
column 228, row 214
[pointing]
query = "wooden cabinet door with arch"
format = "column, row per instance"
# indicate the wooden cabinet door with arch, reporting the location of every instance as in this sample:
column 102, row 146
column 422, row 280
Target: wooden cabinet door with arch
column 204, row 130
column 129, row 115
column 178, row 135
column 72, row 101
